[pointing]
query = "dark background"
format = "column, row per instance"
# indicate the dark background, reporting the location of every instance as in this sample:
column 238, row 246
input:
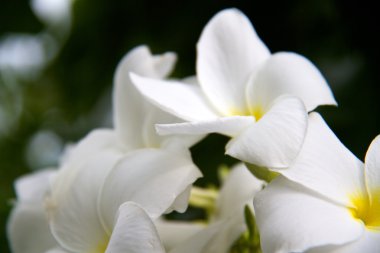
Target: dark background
column 340, row 37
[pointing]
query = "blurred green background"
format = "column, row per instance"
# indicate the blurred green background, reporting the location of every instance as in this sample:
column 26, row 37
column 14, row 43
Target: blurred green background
column 57, row 65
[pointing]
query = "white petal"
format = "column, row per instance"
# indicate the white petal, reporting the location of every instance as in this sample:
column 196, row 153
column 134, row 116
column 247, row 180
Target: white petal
column 185, row 101
column 28, row 230
column 215, row 238
column 73, row 210
column 129, row 106
column 289, row 73
column 228, row 51
column 134, row 232
column 326, row 165
column 181, row 201
column 276, row 139
column 153, row 178
column 292, row 218
column 238, row 190
column 369, row 242
column 174, row 233
column 372, row 165
column 33, row 187
column 230, row 126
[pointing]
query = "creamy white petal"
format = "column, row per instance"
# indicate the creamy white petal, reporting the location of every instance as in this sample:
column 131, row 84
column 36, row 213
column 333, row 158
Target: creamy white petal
column 153, row 178
column 33, row 187
column 326, row 165
column 174, row 233
column 134, row 232
column 28, row 230
column 129, row 106
column 292, row 218
column 276, row 139
column 227, row 52
column 289, row 73
column 238, row 190
column 185, row 101
column 230, row 126
column 181, row 201
column 369, row 242
column 73, row 212
column 372, row 165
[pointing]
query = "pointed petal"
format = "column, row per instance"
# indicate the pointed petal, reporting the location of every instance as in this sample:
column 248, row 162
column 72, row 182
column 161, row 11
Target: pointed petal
column 73, row 209
column 238, row 190
column 185, row 101
column 230, row 126
column 129, row 106
column 369, row 242
column 228, row 51
column 276, row 139
column 134, row 232
column 293, row 74
column 28, row 230
column 372, row 166
column 292, row 218
column 174, row 233
column 326, row 165
column 153, row 178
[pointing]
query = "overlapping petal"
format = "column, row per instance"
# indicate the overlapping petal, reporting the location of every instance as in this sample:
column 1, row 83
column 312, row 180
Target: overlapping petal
column 134, row 232
column 230, row 126
column 372, row 166
column 289, row 73
column 185, row 101
column 228, row 51
column 326, row 165
column 153, row 178
column 276, row 139
column 292, row 218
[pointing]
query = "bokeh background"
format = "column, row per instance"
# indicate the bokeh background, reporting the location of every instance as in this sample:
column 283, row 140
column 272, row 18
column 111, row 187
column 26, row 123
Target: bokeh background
column 57, row 59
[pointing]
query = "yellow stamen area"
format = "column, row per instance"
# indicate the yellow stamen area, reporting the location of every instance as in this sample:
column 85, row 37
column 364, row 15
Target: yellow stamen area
column 367, row 209
column 256, row 111
column 101, row 247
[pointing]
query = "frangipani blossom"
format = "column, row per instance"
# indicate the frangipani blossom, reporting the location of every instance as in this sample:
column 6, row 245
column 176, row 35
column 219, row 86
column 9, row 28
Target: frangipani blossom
column 331, row 202
column 28, row 228
column 240, row 83
column 226, row 225
column 110, row 167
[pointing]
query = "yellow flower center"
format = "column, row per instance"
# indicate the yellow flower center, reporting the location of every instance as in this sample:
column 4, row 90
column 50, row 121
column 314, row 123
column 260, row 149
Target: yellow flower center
column 101, row 247
column 367, row 209
column 256, row 111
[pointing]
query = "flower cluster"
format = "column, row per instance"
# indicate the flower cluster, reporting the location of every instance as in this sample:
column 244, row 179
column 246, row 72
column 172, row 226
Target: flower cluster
column 296, row 188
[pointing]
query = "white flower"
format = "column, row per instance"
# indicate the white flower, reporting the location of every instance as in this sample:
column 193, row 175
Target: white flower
column 28, row 229
column 332, row 203
column 227, row 220
column 113, row 174
column 240, row 82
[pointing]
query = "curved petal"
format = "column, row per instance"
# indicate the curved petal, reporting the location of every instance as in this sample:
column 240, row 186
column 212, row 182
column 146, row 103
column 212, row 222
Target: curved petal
column 326, row 165
column 28, row 230
column 185, row 101
column 230, row 126
column 369, row 242
column 292, row 218
column 238, row 190
column 73, row 210
column 129, row 106
column 228, row 51
column 32, row 188
column 174, row 233
column 293, row 74
column 372, row 166
column 134, row 232
column 276, row 139
column 153, row 178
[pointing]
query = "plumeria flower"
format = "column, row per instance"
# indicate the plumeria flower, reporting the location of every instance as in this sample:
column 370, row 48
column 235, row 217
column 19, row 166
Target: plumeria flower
column 226, row 224
column 114, row 174
column 331, row 202
column 244, row 92
column 28, row 229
